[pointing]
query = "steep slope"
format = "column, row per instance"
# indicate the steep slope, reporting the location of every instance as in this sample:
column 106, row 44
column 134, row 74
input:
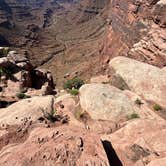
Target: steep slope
column 61, row 35
column 137, row 30
column 80, row 37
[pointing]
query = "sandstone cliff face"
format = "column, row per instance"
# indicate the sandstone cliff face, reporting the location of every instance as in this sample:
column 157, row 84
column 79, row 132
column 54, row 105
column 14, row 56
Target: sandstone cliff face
column 137, row 30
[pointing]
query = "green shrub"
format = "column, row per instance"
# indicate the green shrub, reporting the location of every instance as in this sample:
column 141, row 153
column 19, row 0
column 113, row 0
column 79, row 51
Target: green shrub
column 133, row 116
column 4, row 51
column 4, row 71
column 75, row 83
column 74, row 92
column 50, row 115
column 53, row 116
column 157, row 107
column 22, row 96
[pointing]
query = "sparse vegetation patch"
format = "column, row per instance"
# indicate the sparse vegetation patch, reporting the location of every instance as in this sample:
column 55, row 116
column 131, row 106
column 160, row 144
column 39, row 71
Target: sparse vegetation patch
column 22, row 96
column 74, row 92
column 74, row 83
column 4, row 51
column 4, row 71
column 53, row 116
column 133, row 116
column 157, row 107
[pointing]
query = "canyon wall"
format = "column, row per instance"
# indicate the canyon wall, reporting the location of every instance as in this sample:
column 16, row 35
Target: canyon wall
column 137, row 30
column 80, row 37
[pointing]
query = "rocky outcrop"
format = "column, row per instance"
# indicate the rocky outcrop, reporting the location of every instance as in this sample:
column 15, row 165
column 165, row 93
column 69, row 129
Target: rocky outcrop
column 141, row 142
column 18, row 76
column 137, row 31
column 30, row 35
column 151, row 48
column 66, row 105
column 26, row 110
column 111, row 28
column 145, row 80
column 56, row 146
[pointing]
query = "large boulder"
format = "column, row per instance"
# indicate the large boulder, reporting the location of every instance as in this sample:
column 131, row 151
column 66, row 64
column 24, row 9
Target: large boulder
column 67, row 105
column 105, row 102
column 146, row 80
column 61, row 146
column 26, row 109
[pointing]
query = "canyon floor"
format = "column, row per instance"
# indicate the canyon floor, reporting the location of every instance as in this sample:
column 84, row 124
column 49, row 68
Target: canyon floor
column 83, row 83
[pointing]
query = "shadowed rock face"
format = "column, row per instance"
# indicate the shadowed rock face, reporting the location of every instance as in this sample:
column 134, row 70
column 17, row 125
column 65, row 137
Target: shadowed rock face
column 3, row 41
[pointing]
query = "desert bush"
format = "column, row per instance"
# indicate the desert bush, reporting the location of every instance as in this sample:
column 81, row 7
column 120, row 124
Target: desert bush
column 74, row 92
column 133, row 116
column 53, row 116
column 4, row 51
column 22, row 96
column 4, row 71
column 157, row 107
column 50, row 116
column 75, row 83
